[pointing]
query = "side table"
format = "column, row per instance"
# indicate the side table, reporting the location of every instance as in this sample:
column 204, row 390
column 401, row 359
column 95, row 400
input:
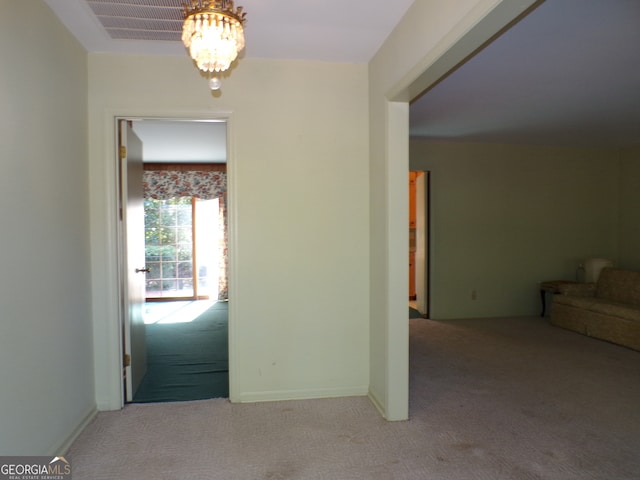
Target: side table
column 553, row 287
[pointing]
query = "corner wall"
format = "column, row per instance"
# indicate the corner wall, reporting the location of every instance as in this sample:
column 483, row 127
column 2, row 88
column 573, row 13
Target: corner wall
column 431, row 38
column 46, row 355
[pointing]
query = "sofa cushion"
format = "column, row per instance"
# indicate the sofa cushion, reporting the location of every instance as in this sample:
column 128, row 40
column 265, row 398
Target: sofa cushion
column 619, row 286
column 604, row 307
column 619, row 310
column 574, row 301
column 577, row 289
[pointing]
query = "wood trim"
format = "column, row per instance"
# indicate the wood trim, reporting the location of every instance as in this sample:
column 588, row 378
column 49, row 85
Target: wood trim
column 185, row 167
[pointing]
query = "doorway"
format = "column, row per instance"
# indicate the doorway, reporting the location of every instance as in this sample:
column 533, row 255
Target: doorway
column 186, row 298
column 419, row 235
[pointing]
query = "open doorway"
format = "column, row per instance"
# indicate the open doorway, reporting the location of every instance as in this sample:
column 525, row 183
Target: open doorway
column 419, row 234
column 185, row 312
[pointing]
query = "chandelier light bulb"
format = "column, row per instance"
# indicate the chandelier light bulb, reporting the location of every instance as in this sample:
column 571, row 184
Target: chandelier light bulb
column 215, row 83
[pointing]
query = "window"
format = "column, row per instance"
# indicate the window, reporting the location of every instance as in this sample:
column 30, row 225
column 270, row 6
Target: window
column 181, row 247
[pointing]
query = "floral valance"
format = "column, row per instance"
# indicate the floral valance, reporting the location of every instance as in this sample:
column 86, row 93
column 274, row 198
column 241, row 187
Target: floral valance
column 165, row 184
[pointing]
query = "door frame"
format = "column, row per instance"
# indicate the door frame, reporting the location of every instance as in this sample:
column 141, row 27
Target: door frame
column 116, row 350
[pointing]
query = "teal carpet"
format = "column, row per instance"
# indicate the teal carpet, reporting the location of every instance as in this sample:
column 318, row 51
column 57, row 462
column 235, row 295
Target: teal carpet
column 187, row 361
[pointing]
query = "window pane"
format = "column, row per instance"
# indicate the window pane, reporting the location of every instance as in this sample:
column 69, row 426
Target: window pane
column 153, row 288
column 168, row 239
column 169, row 286
column 152, row 254
column 168, row 270
column 184, row 235
column 184, row 253
column 154, row 270
column 167, row 235
column 152, row 236
column 184, row 215
column 185, row 270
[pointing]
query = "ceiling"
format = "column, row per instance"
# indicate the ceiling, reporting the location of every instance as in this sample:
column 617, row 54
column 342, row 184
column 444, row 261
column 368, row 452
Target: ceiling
column 182, row 141
column 566, row 74
column 276, row 29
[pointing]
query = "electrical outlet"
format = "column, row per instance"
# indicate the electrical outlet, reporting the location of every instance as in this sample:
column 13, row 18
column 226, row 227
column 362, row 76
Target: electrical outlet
column 474, row 294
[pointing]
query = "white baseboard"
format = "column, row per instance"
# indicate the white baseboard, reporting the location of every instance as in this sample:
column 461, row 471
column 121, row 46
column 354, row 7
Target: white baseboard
column 281, row 395
column 63, row 448
column 377, row 403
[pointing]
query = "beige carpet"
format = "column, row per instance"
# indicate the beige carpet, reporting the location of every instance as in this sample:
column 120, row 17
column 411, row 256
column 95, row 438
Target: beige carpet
column 490, row 399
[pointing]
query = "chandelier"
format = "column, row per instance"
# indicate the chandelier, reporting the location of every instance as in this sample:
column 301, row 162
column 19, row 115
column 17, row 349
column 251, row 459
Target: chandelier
column 213, row 33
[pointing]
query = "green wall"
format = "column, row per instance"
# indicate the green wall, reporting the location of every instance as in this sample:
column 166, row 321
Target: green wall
column 299, row 216
column 46, row 355
column 629, row 231
column 505, row 217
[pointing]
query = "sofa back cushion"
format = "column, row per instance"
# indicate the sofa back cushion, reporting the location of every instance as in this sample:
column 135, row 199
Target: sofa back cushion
column 621, row 286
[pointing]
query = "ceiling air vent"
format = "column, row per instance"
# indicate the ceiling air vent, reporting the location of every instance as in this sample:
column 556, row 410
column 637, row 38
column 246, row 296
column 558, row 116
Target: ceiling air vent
column 140, row 19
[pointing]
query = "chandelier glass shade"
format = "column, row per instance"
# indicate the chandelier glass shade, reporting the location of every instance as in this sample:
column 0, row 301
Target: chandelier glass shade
column 213, row 33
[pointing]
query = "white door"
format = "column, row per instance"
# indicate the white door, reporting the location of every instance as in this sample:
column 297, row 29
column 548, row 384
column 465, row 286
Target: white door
column 133, row 258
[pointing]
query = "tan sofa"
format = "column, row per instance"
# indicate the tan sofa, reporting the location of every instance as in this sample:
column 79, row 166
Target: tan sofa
column 608, row 310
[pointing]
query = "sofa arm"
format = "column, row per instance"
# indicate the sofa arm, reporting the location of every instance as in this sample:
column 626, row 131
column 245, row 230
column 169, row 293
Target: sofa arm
column 578, row 289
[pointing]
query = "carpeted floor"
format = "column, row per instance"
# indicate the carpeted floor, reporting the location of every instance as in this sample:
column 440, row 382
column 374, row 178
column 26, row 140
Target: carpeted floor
column 188, row 360
column 491, row 399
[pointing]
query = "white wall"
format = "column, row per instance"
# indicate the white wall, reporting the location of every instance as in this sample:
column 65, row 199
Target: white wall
column 299, row 292
column 505, row 217
column 46, row 358
column 430, row 39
